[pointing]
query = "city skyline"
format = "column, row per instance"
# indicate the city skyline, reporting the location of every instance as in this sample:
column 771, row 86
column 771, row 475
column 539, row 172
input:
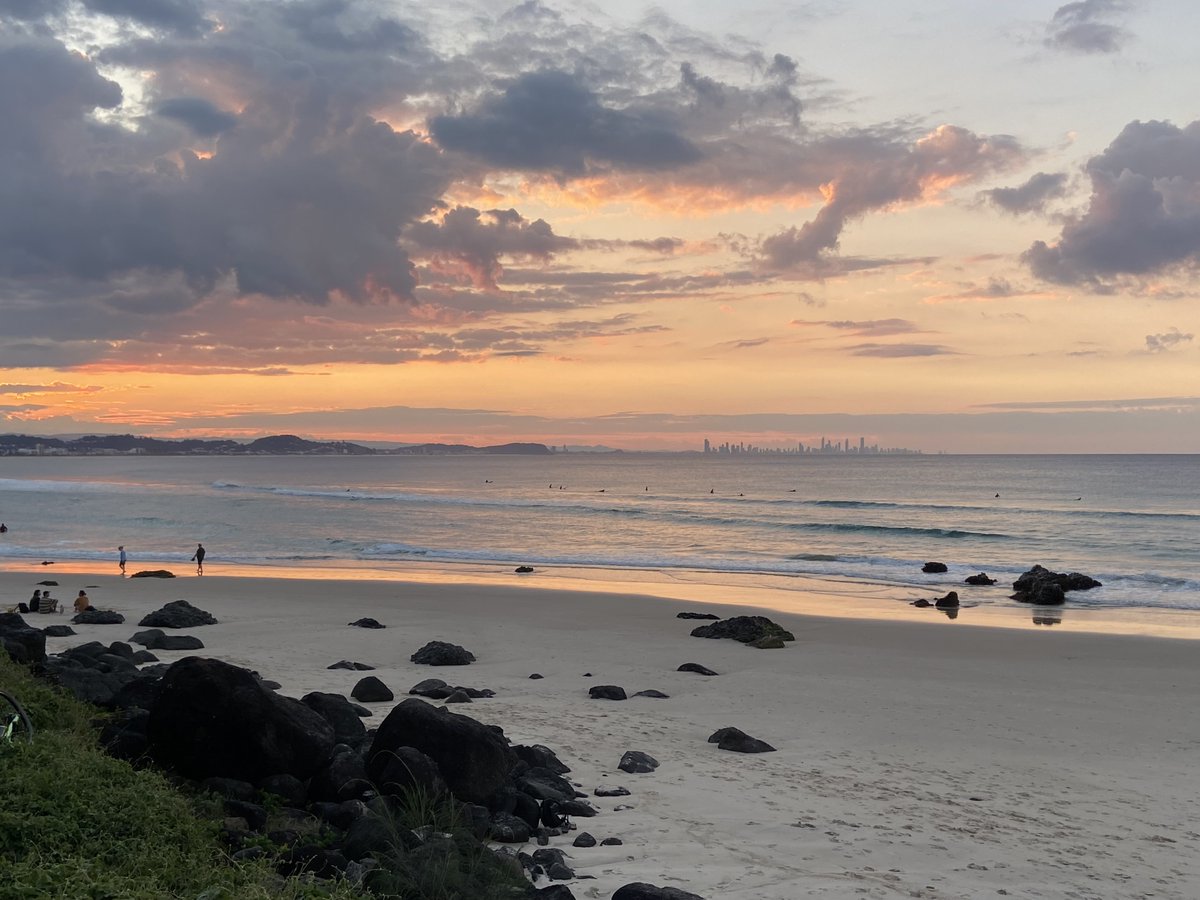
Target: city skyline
column 968, row 228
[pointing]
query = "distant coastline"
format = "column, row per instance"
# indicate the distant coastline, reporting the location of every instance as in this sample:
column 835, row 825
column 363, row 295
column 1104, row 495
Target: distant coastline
column 275, row 445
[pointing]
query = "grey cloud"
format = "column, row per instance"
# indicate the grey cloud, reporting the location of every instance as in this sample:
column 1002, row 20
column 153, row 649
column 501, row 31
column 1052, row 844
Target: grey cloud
column 1144, row 213
column 1157, row 343
column 551, row 121
column 873, row 327
column 183, row 16
column 899, row 351
column 1032, row 196
column 198, row 114
column 1083, row 27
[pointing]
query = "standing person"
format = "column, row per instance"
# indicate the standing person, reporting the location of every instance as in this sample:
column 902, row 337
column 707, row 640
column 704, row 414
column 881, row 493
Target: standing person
column 198, row 559
column 122, row 562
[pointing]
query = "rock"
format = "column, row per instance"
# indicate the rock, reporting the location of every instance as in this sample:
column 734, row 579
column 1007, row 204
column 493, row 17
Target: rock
column 697, row 668
column 339, row 713
column 372, row 690
column 657, row 695
column 611, row 842
column 459, row 697
column 584, row 840
column 1042, row 593
column 366, row 623
column 216, row 719
column 537, row 756
column 124, row 735
column 922, row 603
column 523, row 570
column 144, row 637
column 153, row 573
column 553, row 892
column 744, row 629
column 440, row 653
column 635, row 761
column 98, row 617
column 934, row 567
column 229, row 788
column 343, row 778
column 950, row 601
column 434, row 688
column 696, row 615
column 611, row 792
column 24, row 643
column 767, row 642
column 577, row 808
column 1073, row 581
column 58, row 631
column 48, row 583
column 173, row 642
column 542, row 784
column 606, row 692
column 639, row 890
column 737, row 741
column 980, row 579
column 508, row 829
column 535, row 676
column 354, row 666
column 288, row 788
column 177, row 614
column 473, row 759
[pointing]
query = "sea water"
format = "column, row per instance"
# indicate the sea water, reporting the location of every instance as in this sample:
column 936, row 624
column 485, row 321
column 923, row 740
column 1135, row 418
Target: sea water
column 1133, row 522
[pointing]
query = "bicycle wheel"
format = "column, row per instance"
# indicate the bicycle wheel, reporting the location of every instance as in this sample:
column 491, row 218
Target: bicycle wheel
column 14, row 721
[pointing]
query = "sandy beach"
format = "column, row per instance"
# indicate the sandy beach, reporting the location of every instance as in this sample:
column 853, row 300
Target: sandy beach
column 913, row 759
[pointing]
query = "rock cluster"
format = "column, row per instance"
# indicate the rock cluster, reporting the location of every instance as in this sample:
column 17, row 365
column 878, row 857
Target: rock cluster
column 1042, row 587
column 439, row 653
column 757, row 631
column 177, row 614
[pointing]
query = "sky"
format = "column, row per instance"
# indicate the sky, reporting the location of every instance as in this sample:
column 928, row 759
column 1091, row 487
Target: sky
column 954, row 226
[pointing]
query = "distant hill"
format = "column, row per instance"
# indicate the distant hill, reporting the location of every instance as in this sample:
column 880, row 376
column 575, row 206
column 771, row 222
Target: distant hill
column 275, row 445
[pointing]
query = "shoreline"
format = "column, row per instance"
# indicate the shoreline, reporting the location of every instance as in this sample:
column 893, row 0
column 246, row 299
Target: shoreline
column 805, row 595
column 937, row 762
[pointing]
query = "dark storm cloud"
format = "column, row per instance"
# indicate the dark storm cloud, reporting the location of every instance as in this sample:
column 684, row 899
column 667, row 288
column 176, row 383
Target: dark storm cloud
column 1157, row 343
column 478, row 240
column 1084, row 27
column 1032, row 196
column 204, row 118
column 1144, row 213
column 550, row 121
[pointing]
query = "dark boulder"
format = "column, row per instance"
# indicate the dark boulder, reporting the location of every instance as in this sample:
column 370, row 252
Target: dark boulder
column 174, row 642
column 922, row 603
column 433, row 688
column 58, row 631
column 229, row 788
column 697, row 668
column 473, row 759
column 737, row 741
column 635, row 761
column 523, row 570
column 1042, row 593
column 371, row 690
column 767, row 642
column 542, row 784
column 459, row 696
column 607, row 692
column 24, row 643
column 353, row 666
column 744, row 629
column 639, row 890
column 343, row 778
column 657, row 695
column 124, row 735
column 366, row 622
column 584, row 840
column 153, row 573
column 339, row 713
column 216, row 719
column 98, row 617
column 979, row 580
column 696, row 615
column 287, row 788
column 509, row 829
column 935, row 568
column 1072, row 581
column 538, row 756
column 177, row 614
column 440, row 653
column 950, row 601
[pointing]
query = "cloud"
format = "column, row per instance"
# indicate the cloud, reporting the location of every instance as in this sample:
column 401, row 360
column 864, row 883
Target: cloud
column 1083, row 27
column 551, row 121
column 1032, row 196
column 204, row 118
column 899, row 351
column 1157, row 343
column 1126, row 405
column 58, row 387
column 1144, row 212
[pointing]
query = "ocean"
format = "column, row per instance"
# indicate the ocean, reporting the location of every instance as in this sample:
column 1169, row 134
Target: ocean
column 1133, row 522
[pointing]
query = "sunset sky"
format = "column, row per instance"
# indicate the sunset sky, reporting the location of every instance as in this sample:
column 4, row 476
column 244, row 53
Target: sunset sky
column 964, row 226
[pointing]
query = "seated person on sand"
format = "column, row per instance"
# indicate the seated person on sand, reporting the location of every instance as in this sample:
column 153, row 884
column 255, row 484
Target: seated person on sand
column 82, row 603
column 35, row 602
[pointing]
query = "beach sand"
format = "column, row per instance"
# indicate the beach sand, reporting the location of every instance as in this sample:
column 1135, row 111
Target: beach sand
column 914, row 758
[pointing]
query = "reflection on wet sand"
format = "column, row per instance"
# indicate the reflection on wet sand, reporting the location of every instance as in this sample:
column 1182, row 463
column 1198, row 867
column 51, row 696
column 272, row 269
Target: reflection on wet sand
column 1045, row 617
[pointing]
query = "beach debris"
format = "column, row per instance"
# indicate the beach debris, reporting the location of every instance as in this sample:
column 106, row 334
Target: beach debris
column 58, row 631
column 24, row 643
column 340, row 713
column 1042, row 587
column 738, row 741
column 980, row 579
column 657, row 695
column 607, row 692
column 611, row 792
column 583, row 839
column 213, row 718
column 697, row 668
column 473, row 758
column 153, row 573
column 635, row 761
column 98, row 617
column 523, row 570
column 745, row 629
column 696, row 615
column 640, row 890
column 355, row 666
column 371, row 690
column 365, row 623
column 440, row 653
column 934, row 567
column 178, row 614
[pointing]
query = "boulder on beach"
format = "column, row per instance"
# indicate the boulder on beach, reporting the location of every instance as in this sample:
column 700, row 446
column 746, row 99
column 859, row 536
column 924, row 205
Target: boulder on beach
column 98, row 617
column 980, row 579
column 440, row 653
column 634, row 761
column 1071, row 581
column 23, row 642
column 353, row 666
column 365, row 622
column 737, row 741
column 640, row 890
column 177, row 614
column 607, row 692
column 523, row 570
column 745, row 629
column 934, row 567
column 696, row 615
column 371, row 690
column 950, row 601
column 153, row 573
column 697, row 668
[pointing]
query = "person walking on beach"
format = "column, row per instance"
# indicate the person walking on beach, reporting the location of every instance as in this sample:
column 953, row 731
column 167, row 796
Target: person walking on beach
column 121, row 549
column 198, row 559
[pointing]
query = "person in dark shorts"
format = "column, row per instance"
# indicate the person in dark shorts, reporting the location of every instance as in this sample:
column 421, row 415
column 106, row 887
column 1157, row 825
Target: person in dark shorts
column 122, row 561
column 198, row 559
